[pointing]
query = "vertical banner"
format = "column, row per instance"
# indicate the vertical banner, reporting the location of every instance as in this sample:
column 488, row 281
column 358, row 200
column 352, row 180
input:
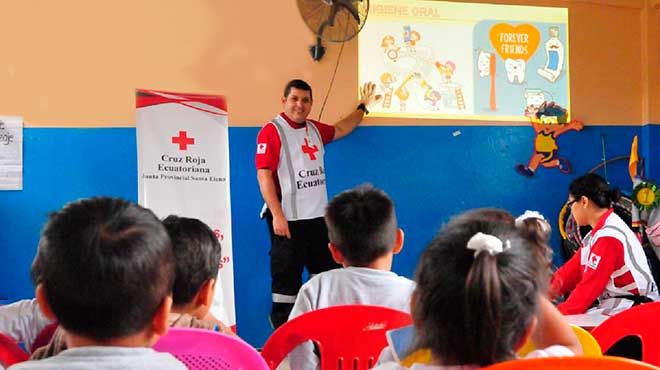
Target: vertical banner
column 11, row 153
column 183, row 169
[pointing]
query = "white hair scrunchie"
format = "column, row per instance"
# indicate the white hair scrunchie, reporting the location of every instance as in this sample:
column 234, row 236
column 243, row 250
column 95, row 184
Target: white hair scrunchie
column 485, row 242
column 545, row 226
column 528, row 214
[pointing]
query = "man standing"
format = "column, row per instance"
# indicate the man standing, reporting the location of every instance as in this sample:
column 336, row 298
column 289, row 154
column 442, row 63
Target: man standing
column 291, row 175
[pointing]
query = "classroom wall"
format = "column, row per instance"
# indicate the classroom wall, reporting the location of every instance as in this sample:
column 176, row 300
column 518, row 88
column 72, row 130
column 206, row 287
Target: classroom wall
column 72, row 69
column 652, row 133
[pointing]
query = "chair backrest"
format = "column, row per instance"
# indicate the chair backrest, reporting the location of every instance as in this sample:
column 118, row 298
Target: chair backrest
column 590, row 347
column 572, row 363
column 636, row 321
column 201, row 349
column 44, row 336
column 10, row 351
column 349, row 337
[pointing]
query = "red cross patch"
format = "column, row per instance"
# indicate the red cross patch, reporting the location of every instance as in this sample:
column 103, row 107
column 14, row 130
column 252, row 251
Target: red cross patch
column 594, row 259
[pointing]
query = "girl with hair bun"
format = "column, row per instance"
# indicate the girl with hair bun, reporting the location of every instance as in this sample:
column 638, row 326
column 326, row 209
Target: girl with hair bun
column 479, row 298
column 610, row 269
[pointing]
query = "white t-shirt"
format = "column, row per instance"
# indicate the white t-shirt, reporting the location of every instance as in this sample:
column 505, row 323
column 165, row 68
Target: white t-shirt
column 105, row 358
column 350, row 285
column 552, row 351
column 22, row 321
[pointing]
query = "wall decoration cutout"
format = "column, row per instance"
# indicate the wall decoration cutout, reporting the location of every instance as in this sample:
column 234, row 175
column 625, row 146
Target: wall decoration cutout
column 549, row 122
column 646, row 195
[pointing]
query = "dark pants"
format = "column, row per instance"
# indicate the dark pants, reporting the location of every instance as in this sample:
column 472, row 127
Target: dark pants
column 307, row 248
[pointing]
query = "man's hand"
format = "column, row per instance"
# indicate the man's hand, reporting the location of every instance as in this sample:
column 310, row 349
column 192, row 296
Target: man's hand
column 281, row 226
column 367, row 94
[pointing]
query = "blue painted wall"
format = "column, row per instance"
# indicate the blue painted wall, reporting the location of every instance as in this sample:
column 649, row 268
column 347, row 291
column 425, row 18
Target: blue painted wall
column 650, row 149
column 430, row 172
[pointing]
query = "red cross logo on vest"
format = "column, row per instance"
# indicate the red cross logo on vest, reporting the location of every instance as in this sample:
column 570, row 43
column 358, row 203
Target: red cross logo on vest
column 594, row 259
column 183, row 140
column 311, row 150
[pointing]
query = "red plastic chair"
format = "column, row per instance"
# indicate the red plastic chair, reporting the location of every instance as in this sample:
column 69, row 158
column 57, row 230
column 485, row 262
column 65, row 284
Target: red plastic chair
column 201, row 349
column 638, row 321
column 349, row 337
column 572, row 363
column 10, row 352
column 44, row 336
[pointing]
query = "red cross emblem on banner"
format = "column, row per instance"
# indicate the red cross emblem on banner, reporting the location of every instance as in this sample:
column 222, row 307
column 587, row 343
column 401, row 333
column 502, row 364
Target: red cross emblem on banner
column 311, row 150
column 183, row 140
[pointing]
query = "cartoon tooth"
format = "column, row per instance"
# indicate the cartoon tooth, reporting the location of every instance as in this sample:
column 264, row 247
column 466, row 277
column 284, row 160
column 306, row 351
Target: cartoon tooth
column 515, row 70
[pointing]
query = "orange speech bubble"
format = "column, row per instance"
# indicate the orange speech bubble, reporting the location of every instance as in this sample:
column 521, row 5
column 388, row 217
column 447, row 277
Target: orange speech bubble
column 515, row 42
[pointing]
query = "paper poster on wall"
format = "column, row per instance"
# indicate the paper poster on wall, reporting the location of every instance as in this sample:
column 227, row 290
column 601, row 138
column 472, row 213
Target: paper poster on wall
column 183, row 169
column 439, row 59
column 11, row 153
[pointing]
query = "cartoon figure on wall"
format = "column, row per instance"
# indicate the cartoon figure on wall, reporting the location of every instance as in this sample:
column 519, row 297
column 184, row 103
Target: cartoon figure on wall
column 549, row 122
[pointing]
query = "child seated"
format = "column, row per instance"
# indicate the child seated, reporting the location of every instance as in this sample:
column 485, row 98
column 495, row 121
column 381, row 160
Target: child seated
column 197, row 252
column 364, row 236
column 108, row 282
column 197, row 255
column 22, row 321
column 478, row 296
column 538, row 231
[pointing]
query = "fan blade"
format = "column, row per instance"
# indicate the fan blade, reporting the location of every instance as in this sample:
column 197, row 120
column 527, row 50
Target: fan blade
column 348, row 5
column 334, row 20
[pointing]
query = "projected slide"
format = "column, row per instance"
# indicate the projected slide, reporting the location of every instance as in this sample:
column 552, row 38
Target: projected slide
column 437, row 59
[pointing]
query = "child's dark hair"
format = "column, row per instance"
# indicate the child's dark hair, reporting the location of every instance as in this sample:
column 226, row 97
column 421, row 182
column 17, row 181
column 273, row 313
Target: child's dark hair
column 298, row 84
column 105, row 266
column 595, row 188
column 197, row 252
column 361, row 224
column 485, row 215
column 475, row 309
column 538, row 231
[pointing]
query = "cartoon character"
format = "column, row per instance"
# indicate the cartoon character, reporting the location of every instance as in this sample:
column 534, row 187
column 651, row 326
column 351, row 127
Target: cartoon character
column 432, row 97
column 554, row 52
column 402, row 92
column 549, row 123
column 534, row 98
column 483, row 63
column 515, row 70
column 410, row 37
column 391, row 51
column 446, row 70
